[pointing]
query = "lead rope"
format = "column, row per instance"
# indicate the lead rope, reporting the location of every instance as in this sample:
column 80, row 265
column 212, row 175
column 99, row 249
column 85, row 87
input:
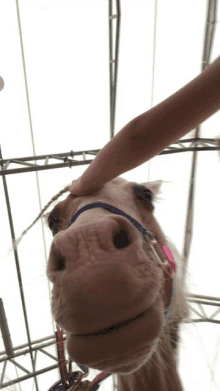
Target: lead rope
column 69, row 380
column 72, row 381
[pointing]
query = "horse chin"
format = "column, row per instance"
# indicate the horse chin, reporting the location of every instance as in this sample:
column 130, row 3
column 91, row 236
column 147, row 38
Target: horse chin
column 130, row 367
column 123, row 350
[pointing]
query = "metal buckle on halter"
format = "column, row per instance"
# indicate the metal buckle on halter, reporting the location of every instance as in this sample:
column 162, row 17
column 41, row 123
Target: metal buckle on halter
column 86, row 385
column 156, row 252
column 153, row 248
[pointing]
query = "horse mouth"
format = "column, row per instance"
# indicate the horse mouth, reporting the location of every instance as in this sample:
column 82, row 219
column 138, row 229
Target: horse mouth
column 112, row 328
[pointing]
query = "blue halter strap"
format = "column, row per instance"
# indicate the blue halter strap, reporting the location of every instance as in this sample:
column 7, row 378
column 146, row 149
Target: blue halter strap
column 115, row 210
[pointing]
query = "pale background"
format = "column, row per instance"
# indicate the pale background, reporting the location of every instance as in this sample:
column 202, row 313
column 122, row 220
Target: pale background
column 67, row 61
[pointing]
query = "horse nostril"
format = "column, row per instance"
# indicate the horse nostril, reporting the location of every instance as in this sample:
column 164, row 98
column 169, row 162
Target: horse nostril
column 121, row 239
column 59, row 260
column 61, row 264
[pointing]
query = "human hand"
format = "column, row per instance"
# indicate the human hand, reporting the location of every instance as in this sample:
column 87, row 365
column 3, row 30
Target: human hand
column 74, row 187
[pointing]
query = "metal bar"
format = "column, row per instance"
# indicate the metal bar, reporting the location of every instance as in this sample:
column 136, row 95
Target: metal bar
column 24, row 163
column 19, row 347
column 110, row 65
column 3, row 373
column 215, row 313
column 24, row 352
column 32, row 374
column 47, row 354
column 43, row 168
column 5, row 331
column 202, row 310
column 53, row 156
column 117, row 41
column 211, row 14
column 19, row 366
column 72, row 163
column 204, row 297
column 197, row 313
column 204, row 302
column 113, row 62
column 202, row 321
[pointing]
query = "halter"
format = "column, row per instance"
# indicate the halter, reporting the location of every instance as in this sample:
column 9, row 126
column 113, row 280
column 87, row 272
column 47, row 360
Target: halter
column 155, row 251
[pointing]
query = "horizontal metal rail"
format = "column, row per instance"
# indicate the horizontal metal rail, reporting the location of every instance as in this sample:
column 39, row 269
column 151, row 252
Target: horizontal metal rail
column 68, row 158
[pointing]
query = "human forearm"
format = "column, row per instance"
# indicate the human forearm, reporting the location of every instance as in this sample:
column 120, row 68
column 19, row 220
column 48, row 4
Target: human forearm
column 112, row 160
column 153, row 131
column 180, row 113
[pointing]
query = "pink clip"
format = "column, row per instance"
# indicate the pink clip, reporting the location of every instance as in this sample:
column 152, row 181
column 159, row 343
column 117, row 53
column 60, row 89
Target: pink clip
column 169, row 256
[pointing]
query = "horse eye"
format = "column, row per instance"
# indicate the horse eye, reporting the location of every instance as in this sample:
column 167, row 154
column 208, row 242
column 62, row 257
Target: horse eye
column 143, row 194
column 53, row 221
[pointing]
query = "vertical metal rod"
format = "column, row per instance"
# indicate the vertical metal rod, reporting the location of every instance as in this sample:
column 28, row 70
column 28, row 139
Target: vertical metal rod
column 113, row 71
column 210, row 28
column 110, row 65
column 5, row 331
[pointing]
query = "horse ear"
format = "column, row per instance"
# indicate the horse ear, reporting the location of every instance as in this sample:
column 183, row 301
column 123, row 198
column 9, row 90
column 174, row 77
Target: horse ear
column 154, row 187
